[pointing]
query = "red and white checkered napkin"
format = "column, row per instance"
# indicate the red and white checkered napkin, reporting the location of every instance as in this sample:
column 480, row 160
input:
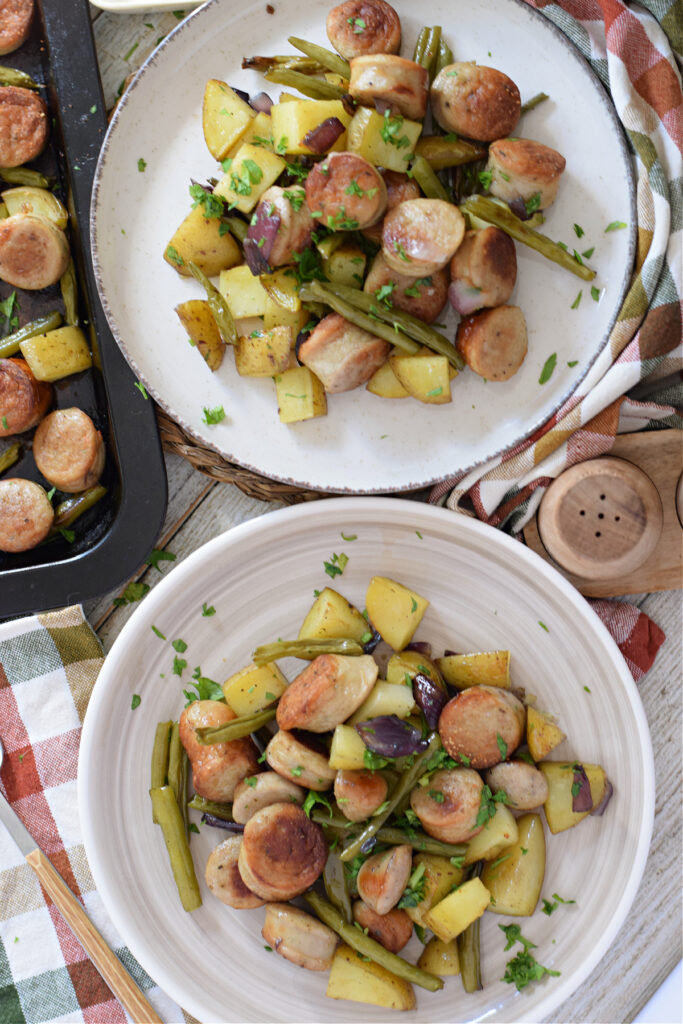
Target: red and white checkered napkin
column 48, row 666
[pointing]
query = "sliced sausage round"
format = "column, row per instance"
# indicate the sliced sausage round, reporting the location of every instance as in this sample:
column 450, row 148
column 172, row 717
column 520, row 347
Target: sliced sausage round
column 345, row 192
column 23, row 125
column 23, row 399
column 524, row 784
column 392, row 930
column 15, row 24
column 216, row 767
column 423, row 297
column 69, row 450
column 34, row 252
column 282, row 852
column 479, row 721
column 478, row 102
column 327, row 692
column 295, row 223
column 395, row 83
column 364, row 26
column 224, row 879
column 301, row 758
column 526, row 170
column 483, row 271
column 494, row 342
column 420, row 236
column 258, row 791
column 399, row 188
column 359, row 793
column 298, row 937
column 341, row 355
column 449, row 805
column 26, row 515
column 383, row 877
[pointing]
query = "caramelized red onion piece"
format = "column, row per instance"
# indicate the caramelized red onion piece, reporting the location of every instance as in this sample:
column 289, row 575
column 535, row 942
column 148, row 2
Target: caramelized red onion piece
column 369, row 645
column 518, row 207
column 581, row 800
column 599, row 809
column 229, row 826
column 260, row 239
column 320, row 139
column 450, row 654
column 241, row 93
column 421, row 647
column 390, row 736
column 429, row 697
column 261, row 103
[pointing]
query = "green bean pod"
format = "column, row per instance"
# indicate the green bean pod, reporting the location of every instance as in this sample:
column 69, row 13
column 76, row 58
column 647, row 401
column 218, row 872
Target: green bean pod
column 24, row 176
column 420, row 45
column 238, row 228
column 315, row 88
column 68, row 511
column 540, row 97
column 236, row 729
column 442, row 151
column 431, row 51
column 336, row 886
column 443, row 58
column 19, row 79
column 222, row 811
column 69, row 289
column 307, row 650
column 9, row 346
column 166, row 811
column 294, row 63
column 363, row 944
column 469, row 950
column 400, row 792
column 159, row 768
column 175, row 764
column 9, row 456
column 315, row 291
column 419, row 840
column 218, row 306
column 503, row 218
column 424, row 175
column 331, row 61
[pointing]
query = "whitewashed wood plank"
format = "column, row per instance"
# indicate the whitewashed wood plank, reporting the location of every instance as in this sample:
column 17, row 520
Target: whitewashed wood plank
column 124, row 42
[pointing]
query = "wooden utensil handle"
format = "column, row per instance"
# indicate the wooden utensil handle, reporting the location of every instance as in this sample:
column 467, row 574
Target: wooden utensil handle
column 107, row 963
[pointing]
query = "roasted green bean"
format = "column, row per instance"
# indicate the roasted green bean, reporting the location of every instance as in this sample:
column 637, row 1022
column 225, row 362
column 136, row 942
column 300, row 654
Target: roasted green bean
column 504, row 218
column 315, row 291
column 69, row 289
column 444, row 57
column 69, row 510
column 331, row 61
column 218, row 306
column 236, row 729
column 10, row 345
column 540, row 97
column 237, row 227
column 167, row 813
column 222, row 811
column 431, row 51
column 420, row 45
column 24, row 176
column 419, row 840
column 159, row 772
column 20, row 79
column 305, row 649
column 426, row 178
column 366, row 946
column 336, row 886
column 9, row 456
column 291, row 61
column 316, row 88
column 175, row 767
column 442, row 151
column 469, row 950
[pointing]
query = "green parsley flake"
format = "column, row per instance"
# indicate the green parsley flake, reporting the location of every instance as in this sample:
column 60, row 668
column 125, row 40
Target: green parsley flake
column 158, row 633
column 4, row 423
column 358, row 25
column 179, row 645
column 485, row 178
column 402, row 253
column 141, row 388
column 548, row 367
column 174, row 256
column 502, row 746
column 587, row 689
column 435, row 392
column 208, row 610
column 212, row 205
column 533, row 204
column 578, row 230
column 573, row 362
column 133, row 592
column 390, row 129
column 160, row 556
column 577, row 300
column 351, row 536
column 212, row 416
column 616, row 225
column 595, row 293
column 297, row 770
column 142, row 165
column 543, row 626
column 136, row 701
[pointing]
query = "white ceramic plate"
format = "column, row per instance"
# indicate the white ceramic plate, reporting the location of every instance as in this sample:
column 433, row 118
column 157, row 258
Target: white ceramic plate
column 486, row 591
column 365, row 443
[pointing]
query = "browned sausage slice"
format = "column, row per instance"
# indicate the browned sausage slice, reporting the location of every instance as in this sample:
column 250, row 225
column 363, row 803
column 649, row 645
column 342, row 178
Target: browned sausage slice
column 478, row 721
column 479, row 102
column 393, row 83
column 383, row 877
column 399, row 188
column 15, row 24
column 23, row 126
column 359, row 793
column 282, row 852
column 224, row 879
column 26, row 515
column 423, row 297
column 340, row 355
column 524, row 169
column 421, row 235
column 327, row 692
column 483, row 271
column 449, row 806
column 392, row 930
column 346, row 192
column 23, row 399
column 364, row 26
column 34, row 252
column 494, row 342
column 218, row 767
column 69, row 450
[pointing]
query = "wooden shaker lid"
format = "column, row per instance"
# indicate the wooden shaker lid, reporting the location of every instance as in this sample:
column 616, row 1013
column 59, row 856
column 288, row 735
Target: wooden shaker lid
column 601, row 518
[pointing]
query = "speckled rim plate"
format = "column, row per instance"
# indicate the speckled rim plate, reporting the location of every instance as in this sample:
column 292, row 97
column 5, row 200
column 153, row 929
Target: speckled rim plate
column 365, row 444
column 486, row 591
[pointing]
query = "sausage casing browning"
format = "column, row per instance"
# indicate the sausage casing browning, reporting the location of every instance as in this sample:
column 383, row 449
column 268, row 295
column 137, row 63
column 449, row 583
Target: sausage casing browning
column 282, row 852
column 23, row 125
column 23, row 399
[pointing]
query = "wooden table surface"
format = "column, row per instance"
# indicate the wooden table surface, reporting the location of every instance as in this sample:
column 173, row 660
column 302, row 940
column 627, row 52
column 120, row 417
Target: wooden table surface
column 649, row 945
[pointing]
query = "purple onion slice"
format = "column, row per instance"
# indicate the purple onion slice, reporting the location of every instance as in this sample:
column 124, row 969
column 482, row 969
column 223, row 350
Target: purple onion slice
column 429, row 697
column 381, row 106
column 229, row 826
column 369, row 844
column 421, row 647
column 450, row 654
column 260, row 239
column 349, row 104
column 599, row 809
column 241, row 93
column 322, row 138
column 518, row 207
column 390, row 736
column 582, row 800
column 261, row 103
column 369, row 645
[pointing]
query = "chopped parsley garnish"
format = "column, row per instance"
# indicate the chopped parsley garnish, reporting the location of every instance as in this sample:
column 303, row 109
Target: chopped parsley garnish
column 487, row 807
column 212, row 416
column 4, row 427
column 437, row 796
column 402, row 253
column 374, row 762
column 297, row 770
column 573, row 362
column 415, row 890
column 366, row 637
column 158, row 633
column 157, row 556
column 208, row 610
column 383, row 294
column 578, row 230
column 179, row 665
column 336, row 565
column 308, row 267
column 533, row 204
column 295, row 198
column 390, row 129
column 314, row 798
column 174, row 256
column 135, row 702
column 340, row 222
column 193, row 828
column 548, row 367
column 250, row 174
column 587, row 689
column 141, row 388
column 133, row 592
column 179, row 645
column 206, row 689
column 435, row 392
column 351, row 536
column 543, row 626
column 588, row 253
column 502, row 746
column 523, row 969
column 595, row 293
column 251, row 781
column 549, row 907
column 419, row 534
column 68, row 535
column 142, row 164
column 358, row 25
column 616, row 225
column 485, row 178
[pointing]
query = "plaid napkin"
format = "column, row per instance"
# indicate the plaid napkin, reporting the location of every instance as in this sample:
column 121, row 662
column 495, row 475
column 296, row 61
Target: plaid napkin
column 48, row 666
column 635, row 384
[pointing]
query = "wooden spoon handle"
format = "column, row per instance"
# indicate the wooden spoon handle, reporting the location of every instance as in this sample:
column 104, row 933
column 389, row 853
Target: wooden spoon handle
column 107, row 963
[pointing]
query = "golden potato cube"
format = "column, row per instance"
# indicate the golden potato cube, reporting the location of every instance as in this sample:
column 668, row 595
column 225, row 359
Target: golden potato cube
column 439, row 878
column 385, row 699
column 276, row 316
column 386, row 384
column 259, row 133
column 253, row 688
column 487, row 668
column 243, row 292
column 499, row 832
column 364, row 136
column 542, row 734
column 198, row 321
column 425, row 377
column 57, row 354
column 263, row 353
column 252, row 171
column 364, row 981
column 331, row 615
column 281, row 287
column 293, row 119
column 347, row 750
column 198, row 240
column 346, row 265
column 300, row 395
column 225, row 118
column 458, row 910
column 440, row 958
column 560, row 778
column 394, row 610
column 515, row 878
